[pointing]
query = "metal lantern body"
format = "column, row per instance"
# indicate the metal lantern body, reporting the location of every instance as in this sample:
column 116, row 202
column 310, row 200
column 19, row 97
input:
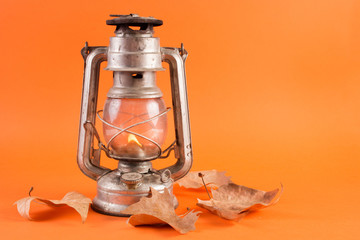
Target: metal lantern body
column 134, row 116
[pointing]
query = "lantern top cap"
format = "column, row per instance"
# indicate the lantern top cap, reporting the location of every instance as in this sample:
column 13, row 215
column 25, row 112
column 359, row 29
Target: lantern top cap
column 133, row 20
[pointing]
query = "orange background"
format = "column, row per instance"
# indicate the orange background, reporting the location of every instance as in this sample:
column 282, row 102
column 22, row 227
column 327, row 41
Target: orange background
column 274, row 97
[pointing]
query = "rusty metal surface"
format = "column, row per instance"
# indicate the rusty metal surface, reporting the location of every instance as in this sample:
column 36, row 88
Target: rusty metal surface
column 133, row 20
column 183, row 150
column 88, row 161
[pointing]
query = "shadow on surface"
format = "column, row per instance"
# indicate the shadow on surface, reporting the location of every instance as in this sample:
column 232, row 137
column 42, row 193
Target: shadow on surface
column 48, row 213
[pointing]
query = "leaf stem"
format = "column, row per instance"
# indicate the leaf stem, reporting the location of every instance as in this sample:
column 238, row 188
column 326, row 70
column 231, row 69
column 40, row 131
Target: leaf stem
column 202, row 178
column 31, row 189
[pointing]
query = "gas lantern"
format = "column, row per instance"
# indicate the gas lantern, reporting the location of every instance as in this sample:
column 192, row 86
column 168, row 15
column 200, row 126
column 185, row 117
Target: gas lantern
column 134, row 117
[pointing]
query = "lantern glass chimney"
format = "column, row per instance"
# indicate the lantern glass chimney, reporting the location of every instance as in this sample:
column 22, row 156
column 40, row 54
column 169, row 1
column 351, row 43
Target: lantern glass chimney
column 126, row 112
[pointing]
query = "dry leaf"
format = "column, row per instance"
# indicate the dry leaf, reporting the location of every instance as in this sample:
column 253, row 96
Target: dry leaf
column 159, row 209
column 232, row 201
column 212, row 178
column 72, row 199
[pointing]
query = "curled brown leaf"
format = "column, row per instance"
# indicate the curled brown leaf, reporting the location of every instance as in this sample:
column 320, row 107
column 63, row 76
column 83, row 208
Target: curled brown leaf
column 232, row 201
column 72, row 199
column 212, row 178
column 159, row 209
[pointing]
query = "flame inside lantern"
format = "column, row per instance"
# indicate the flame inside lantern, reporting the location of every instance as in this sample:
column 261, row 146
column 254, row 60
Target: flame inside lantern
column 132, row 138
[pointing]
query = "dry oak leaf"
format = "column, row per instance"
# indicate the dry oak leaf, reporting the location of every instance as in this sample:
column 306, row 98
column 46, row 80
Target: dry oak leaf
column 212, row 178
column 72, row 199
column 233, row 201
column 159, row 209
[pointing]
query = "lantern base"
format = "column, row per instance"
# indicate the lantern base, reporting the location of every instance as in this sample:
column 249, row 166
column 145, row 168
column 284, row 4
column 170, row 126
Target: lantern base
column 116, row 191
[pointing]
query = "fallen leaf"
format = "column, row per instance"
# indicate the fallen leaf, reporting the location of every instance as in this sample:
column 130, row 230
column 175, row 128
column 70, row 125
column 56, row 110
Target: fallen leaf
column 72, row 199
column 159, row 209
column 212, row 178
column 232, row 201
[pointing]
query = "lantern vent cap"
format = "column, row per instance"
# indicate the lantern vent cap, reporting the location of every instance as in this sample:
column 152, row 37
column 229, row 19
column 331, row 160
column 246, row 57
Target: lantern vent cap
column 133, row 20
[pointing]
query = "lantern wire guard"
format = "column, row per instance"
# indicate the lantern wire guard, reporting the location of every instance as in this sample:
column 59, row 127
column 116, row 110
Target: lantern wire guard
column 106, row 148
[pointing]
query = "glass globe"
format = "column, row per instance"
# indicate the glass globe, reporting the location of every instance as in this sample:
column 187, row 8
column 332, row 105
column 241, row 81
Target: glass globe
column 124, row 112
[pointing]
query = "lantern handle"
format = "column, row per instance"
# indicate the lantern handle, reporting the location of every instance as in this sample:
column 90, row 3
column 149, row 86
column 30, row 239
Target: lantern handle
column 88, row 158
column 176, row 57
